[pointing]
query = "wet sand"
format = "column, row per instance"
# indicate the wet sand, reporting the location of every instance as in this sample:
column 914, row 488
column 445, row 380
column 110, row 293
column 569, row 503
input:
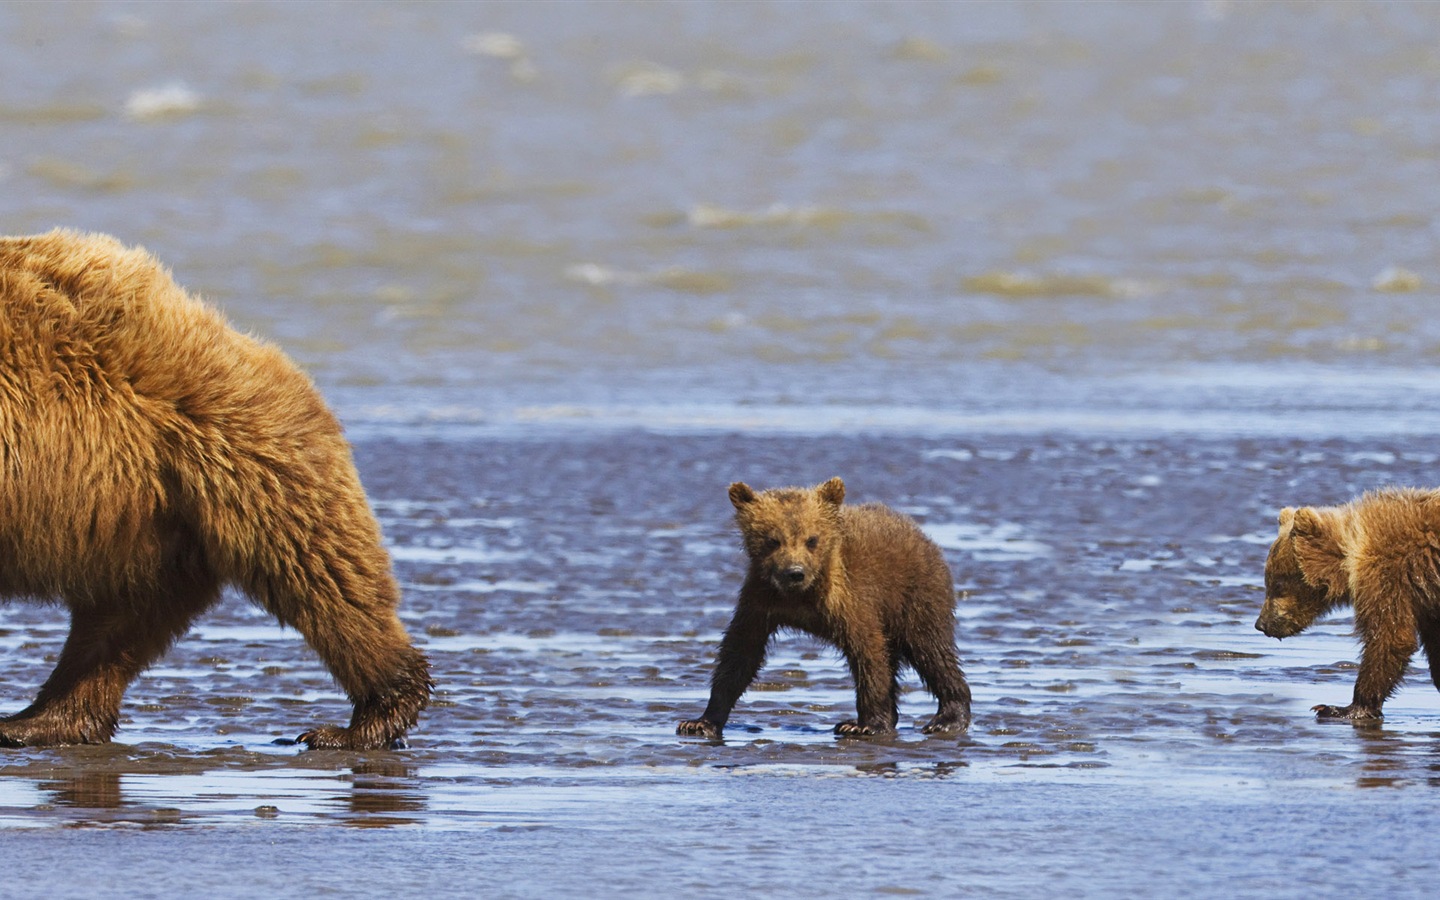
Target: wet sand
column 1090, row 289
column 1132, row 731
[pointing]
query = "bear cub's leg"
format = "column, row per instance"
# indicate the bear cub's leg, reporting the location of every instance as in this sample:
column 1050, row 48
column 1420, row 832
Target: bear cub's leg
column 939, row 668
column 742, row 653
column 1383, row 662
column 877, row 693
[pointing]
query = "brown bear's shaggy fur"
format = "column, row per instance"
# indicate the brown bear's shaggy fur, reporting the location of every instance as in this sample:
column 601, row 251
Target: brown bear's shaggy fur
column 863, row 578
column 1381, row 554
column 149, row 455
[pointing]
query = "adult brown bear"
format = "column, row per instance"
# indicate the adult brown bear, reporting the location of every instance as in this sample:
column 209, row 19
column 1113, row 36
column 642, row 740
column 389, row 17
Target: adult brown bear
column 149, row 455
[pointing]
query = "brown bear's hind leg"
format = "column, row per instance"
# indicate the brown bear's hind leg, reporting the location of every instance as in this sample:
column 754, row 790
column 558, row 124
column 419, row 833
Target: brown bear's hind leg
column 110, row 642
column 333, row 584
column 1430, row 640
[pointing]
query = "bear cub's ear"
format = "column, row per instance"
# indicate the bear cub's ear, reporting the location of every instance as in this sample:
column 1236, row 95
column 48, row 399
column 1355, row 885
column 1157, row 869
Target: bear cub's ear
column 1318, row 551
column 832, row 492
column 740, row 494
column 1305, row 523
column 1287, row 516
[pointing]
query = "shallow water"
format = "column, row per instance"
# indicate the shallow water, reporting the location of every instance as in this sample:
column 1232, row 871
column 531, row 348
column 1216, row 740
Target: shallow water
column 1090, row 290
column 571, row 609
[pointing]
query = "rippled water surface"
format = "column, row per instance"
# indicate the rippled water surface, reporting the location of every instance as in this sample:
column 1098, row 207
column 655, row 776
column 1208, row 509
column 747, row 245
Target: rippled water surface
column 1090, row 290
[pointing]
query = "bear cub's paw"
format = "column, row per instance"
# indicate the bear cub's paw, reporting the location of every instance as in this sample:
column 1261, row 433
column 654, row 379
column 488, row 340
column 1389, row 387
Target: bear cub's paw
column 852, row 728
column 699, row 728
column 945, row 723
column 1351, row 713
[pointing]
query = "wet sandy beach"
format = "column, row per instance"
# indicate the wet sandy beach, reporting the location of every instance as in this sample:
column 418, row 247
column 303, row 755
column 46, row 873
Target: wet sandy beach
column 1090, row 290
column 1132, row 731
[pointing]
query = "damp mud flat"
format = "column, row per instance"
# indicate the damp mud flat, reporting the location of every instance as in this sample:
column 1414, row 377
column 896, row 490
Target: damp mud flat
column 1132, row 732
column 1090, row 290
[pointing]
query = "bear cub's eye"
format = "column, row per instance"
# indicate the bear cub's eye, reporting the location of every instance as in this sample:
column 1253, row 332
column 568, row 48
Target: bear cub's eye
column 812, row 542
column 770, row 544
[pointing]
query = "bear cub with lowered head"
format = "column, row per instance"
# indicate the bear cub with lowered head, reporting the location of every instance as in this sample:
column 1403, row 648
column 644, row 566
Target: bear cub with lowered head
column 863, row 578
column 149, row 455
column 1381, row 555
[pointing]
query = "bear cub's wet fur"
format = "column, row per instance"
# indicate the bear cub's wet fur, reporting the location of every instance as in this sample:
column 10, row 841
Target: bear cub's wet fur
column 863, row 578
column 1381, row 555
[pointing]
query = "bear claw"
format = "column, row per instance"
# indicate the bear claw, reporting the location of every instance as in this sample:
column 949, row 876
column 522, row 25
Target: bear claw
column 330, row 737
column 699, row 728
column 1351, row 713
column 938, row 725
column 852, row 728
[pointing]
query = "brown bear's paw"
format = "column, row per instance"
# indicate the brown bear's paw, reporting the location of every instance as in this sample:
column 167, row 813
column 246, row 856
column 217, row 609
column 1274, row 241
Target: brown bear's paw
column 1351, row 713
column 332, row 737
column 44, row 730
column 699, row 728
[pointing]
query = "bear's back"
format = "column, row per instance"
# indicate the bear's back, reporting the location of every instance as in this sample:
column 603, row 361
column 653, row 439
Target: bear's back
column 83, row 317
column 1397, row 520
column 886, row 553
column 127, row 404
column 85, row 311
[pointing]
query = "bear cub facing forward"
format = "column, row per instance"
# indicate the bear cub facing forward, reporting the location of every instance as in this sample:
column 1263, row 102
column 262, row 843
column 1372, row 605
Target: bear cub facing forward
column 863, row 578
column 1381, row 555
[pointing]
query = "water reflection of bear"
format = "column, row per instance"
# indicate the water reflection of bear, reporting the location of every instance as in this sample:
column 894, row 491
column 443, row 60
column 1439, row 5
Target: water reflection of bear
column 380, row 791
column 378, row 794
column 1394, row 758
column 85, row 789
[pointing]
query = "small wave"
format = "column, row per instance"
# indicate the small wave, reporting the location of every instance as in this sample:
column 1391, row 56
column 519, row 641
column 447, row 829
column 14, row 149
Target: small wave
column 452, row 554
column 1021, row 284
column 675, row 278
column 496, row 44
column 705, row 215
column 1001, row 542
column 502, row 46
column 169, row 101
column 1395, row 280
column 647, row 79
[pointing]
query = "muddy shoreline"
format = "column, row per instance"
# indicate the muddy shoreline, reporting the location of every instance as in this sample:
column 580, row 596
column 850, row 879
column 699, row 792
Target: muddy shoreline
column 571, row 600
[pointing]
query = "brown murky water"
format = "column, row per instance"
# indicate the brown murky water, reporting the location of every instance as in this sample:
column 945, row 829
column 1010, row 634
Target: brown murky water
column 1088, row 289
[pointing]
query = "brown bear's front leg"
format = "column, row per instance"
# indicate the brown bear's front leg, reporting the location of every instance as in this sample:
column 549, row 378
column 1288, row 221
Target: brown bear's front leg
column 336, row 588
column 742, row 653
column 109, row 644
column 1382, row 664
column 386, row 679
